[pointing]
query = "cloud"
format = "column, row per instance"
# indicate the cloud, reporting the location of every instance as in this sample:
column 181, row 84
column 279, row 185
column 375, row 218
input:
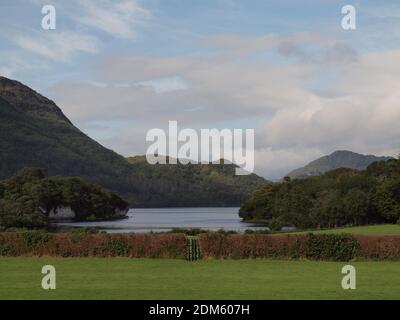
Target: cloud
column 294, row 123
column 362, row 119
column 13, row 63
column 118, row 18
column 217, row 90
column 58, row 46
column 307, row 47
column 276, row 163
column 7, row 71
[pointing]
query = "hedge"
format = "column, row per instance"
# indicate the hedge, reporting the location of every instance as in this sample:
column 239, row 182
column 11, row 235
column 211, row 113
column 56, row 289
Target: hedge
column 340, row 247
column 244, row 246
column 93, row 245
column 334, row 247
column 379, row 247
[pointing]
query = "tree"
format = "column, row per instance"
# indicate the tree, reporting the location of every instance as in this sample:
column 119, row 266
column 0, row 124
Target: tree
column 27, row 199
column 356, row 205
column 336, row 198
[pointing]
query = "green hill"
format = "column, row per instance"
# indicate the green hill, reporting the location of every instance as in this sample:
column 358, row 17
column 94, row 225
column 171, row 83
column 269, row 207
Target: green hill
column 336, row 160
column 34, row 132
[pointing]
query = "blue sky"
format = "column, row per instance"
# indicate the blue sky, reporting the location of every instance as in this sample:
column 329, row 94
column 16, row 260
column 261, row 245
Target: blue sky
column 177, row 27
column 286, row 68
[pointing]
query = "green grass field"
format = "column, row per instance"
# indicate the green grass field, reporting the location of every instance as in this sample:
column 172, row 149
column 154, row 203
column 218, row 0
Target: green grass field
column 20, row 278
column 381, row 229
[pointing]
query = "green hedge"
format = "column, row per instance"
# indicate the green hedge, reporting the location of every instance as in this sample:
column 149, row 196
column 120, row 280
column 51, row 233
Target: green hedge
column 336, row 247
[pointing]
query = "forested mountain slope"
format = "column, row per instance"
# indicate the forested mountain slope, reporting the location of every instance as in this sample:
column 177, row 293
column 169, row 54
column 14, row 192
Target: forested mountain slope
column 34, row 132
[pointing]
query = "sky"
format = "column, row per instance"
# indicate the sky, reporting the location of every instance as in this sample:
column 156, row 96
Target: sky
column 287, row 68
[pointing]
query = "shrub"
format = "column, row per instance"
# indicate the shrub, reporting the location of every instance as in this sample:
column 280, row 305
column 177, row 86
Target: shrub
column 119, row 246
column 336, row 247
column 85, row 230
column 7, row 250
column 316, row 247
column 379, row 247
column 32, row 240
column 188, row 231
column 9, row 245
column 93, row 245
column 243, row 246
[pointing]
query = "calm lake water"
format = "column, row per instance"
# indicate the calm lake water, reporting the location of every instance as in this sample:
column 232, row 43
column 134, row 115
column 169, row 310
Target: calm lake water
column 165, row 219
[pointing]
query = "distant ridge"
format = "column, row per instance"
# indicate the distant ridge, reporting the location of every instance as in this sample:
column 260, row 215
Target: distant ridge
column 338, row 159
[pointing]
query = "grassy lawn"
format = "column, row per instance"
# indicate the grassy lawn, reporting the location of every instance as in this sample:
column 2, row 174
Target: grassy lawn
column 381, row 229
column 20, row 278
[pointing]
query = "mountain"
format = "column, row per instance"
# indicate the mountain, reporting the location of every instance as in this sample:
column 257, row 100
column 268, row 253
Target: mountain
column 34, row 132
column 338, row 159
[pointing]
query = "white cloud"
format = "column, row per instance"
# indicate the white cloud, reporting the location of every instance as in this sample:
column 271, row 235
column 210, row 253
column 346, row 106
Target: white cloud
column 304, row 46
column 168, row 84
column 118, row 18
column 7, row 71
column 58, row 46
column 276, row 163
column 13, row 63
column 294, row 124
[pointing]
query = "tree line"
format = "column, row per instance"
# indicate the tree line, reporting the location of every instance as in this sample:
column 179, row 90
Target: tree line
column 342, row 197
column 27, row 198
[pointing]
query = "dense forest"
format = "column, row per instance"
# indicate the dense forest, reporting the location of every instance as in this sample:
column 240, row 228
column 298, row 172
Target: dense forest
column 342, row 197
column 34, row 132
column 28, row 198
column 195, row 184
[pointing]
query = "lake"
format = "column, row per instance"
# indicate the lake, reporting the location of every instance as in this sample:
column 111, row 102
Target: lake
column 165, row 219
